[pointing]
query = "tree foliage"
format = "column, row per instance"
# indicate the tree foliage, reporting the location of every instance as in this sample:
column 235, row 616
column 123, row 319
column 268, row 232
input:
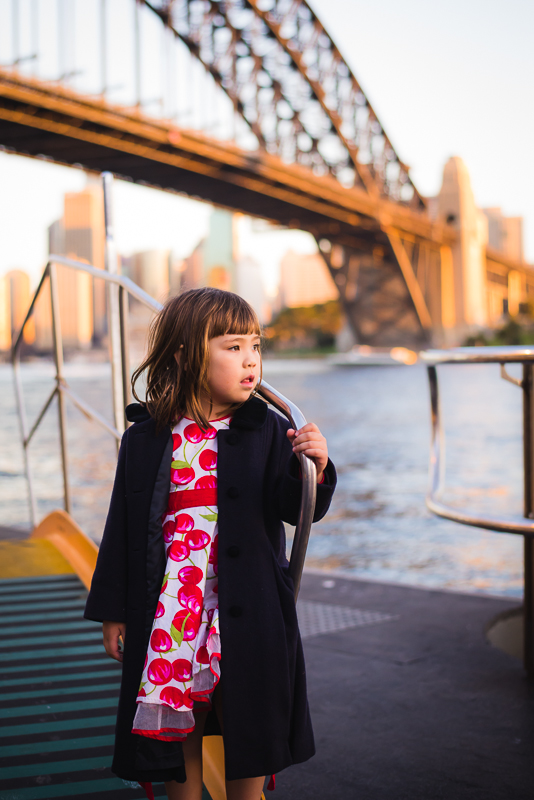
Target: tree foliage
column 305, row 327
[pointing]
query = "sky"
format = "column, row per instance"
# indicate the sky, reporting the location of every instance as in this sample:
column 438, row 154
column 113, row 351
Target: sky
column 444, row 79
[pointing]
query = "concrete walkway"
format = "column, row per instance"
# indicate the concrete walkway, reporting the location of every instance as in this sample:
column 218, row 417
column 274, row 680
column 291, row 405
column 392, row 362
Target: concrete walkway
column 419, row 707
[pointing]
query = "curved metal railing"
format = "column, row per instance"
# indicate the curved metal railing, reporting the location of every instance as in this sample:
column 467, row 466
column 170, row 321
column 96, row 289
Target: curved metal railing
column 468, row 355
column 524, row 526
column 309, row 484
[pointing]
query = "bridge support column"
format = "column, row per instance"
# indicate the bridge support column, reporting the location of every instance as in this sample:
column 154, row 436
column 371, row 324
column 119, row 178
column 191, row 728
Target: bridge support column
column 379, row 291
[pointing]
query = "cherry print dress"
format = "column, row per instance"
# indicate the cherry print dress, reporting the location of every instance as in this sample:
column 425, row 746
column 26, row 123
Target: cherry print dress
column 182, row 661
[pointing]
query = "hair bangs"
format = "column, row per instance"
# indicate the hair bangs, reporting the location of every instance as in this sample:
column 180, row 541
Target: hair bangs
column 233, row 315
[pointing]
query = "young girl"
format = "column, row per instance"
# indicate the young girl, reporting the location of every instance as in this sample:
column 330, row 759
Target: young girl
column 192, row 565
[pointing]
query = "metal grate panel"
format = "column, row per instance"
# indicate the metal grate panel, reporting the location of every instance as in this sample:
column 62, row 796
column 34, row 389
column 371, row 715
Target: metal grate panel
column 319, row 618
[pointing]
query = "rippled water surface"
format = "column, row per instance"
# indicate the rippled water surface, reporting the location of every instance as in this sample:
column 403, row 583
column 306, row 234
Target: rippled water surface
column 376, row 420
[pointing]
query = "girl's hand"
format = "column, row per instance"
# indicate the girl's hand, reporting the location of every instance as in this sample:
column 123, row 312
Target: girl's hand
column 114, row 633
column 310, row 441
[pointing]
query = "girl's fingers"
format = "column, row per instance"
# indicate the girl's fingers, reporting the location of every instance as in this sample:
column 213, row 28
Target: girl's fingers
column 112, row 634
column 299, row 443
column 112, row 649
column 310, row 436
column 310, row 426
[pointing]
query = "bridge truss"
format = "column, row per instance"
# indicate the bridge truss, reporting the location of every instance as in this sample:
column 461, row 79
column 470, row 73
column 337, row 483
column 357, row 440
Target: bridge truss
column 303, row 146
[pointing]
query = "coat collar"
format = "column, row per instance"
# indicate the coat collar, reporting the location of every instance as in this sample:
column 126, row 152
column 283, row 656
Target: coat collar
column 250, row 416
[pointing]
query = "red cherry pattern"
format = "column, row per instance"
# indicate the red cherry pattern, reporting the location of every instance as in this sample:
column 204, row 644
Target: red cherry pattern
column 190, row 596
column 184, row 523
column 168, row 531
column 188, row 700
column 190, row 575
column 179, row 551
column 214, row 550
column 206, row 482
column 181, row 670
column 159, row 671
column 160, row 641
column 172, row 696
column 185, row 635
column 193, row 433
column 197, row 540
column 187, row 623
column 208, row 459
column 182, row 476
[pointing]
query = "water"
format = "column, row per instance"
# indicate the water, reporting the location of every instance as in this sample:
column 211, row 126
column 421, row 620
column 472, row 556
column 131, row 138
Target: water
column 376, row 421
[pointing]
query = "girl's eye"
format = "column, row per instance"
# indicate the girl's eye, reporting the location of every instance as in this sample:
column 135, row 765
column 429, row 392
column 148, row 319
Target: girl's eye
column 235, row 347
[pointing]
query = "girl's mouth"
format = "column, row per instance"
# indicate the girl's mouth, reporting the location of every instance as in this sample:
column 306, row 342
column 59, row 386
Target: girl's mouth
column 248, row 381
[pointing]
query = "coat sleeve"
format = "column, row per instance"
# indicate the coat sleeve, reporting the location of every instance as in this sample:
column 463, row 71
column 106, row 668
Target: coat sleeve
column 107, row 596
column 288, row 490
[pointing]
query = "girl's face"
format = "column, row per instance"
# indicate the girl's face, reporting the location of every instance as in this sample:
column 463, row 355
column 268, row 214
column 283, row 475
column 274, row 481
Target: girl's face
column 234, row 368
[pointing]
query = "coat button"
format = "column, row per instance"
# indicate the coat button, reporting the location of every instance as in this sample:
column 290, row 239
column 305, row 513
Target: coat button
column 233, row 550
column 235, row 611
column 233, row 492
column 232, row 438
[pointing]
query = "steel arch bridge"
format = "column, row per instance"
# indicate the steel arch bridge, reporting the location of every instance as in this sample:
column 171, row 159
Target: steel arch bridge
column 244, row 103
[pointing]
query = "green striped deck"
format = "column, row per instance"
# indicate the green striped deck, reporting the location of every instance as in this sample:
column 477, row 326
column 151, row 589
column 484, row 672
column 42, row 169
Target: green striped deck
column 58, row 696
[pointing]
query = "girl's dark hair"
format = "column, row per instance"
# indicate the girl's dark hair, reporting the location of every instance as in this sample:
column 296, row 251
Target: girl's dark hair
column 185, row 325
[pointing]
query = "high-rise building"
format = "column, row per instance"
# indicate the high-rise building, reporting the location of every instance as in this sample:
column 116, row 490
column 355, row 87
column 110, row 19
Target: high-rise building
column 251, row 287
column 5, row 313
column 152, row 271
column 505, row 234
column 83, row 222
column 305, row 280
column 217, row 261
column 79, row 235
column 19, row 302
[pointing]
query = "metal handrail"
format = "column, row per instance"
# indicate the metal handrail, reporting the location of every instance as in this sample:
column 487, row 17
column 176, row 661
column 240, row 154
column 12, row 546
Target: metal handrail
column 62, row 390
column 467, row 355
column 309, row 483
column 523, row 526
column 509, row 354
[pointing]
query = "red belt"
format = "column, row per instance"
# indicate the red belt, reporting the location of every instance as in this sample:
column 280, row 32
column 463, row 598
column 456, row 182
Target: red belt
column 190, row 498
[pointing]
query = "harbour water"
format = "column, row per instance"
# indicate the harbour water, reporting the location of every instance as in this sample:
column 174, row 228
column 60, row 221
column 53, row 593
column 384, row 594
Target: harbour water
column 376, row 420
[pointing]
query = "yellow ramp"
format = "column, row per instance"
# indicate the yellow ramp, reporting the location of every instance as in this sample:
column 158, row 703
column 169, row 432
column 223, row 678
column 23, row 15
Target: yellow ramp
column 29, row 558
column 78, row 550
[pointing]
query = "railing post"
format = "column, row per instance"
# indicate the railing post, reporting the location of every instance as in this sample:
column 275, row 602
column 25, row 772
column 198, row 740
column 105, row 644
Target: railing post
column 24, row 436
column 125, row 346
column 528, row 451
column 58, row 358
column 114, row 312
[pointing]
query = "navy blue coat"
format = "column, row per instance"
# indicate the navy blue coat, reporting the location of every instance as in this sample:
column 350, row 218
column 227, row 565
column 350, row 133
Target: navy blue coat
column 263, row 680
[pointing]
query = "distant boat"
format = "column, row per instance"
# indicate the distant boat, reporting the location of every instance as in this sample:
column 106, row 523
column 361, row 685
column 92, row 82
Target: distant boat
column 365, row 356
